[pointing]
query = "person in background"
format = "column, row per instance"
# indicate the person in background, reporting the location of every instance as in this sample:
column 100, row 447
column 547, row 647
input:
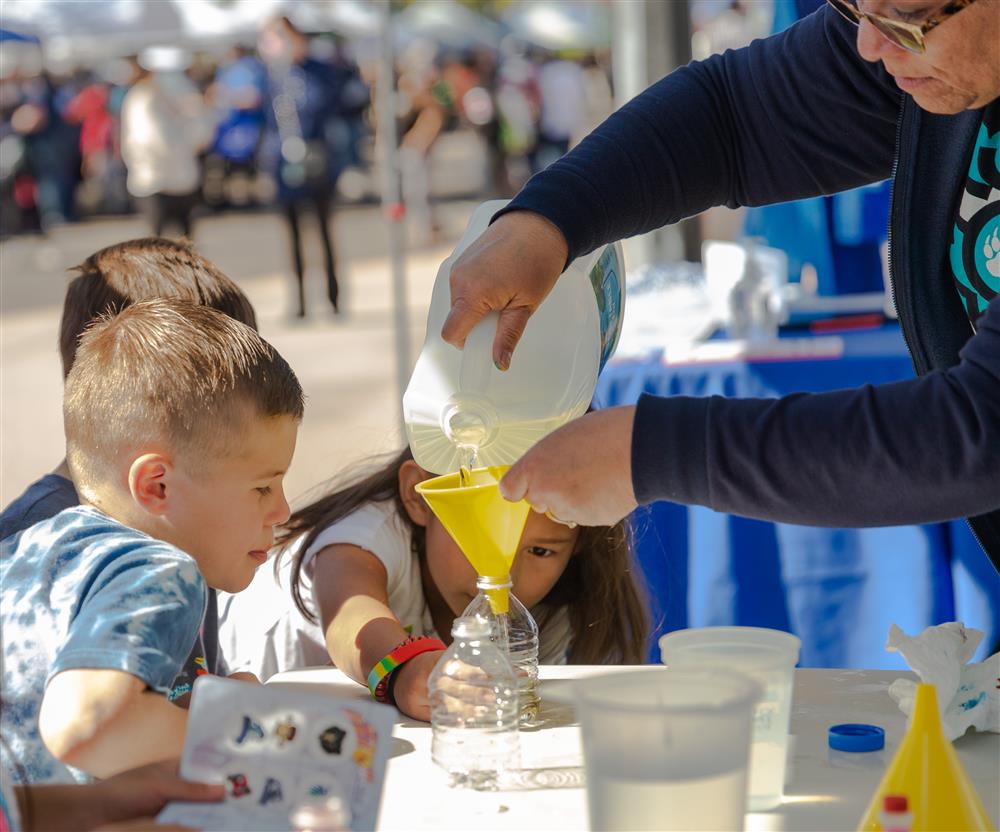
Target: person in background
column 426, row 103
column 98, row 137
column 237, row 93
column 180, row 425
column 52, row 152
column 518, row 105
column 165, row 125
column 563, row 109
column 598, row 96
column 304, row 101
column 369, row 565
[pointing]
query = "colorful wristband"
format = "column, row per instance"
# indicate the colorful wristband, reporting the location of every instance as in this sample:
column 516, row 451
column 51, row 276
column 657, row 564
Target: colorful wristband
column 378, row 679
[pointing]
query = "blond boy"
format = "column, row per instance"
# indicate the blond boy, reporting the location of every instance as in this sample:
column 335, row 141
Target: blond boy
column 180, row 425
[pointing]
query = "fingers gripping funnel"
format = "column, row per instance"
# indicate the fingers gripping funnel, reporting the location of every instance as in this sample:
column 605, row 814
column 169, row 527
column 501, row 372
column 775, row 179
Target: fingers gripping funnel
column 486, row 527
column 927, row 771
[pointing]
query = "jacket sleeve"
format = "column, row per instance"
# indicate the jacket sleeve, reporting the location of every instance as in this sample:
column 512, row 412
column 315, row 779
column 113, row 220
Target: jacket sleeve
column 918, row 451
column 794, row 115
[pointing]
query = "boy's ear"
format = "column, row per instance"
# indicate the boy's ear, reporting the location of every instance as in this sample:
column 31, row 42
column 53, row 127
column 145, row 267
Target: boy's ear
column 147, row 481
column 410, row 474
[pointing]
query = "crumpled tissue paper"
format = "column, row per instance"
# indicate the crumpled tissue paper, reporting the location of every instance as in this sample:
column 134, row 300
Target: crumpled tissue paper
column 968, row 694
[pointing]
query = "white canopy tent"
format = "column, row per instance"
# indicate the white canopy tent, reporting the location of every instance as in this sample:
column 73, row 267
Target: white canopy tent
column 74, row 32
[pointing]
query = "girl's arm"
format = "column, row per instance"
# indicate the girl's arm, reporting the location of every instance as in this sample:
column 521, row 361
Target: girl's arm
column 107, row 721
column 350, row 588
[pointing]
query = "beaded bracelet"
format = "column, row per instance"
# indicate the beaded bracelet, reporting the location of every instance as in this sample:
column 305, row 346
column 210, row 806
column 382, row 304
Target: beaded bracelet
column 378, row 679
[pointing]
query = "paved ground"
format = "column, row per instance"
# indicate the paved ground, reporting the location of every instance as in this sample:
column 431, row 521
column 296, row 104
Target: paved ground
column 346, row 364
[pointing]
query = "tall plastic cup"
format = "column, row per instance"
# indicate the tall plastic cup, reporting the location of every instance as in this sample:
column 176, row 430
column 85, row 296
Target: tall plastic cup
column 769, row 657
column 666, row 749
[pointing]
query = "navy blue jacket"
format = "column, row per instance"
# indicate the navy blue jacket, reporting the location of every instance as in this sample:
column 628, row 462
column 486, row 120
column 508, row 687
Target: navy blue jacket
column 798, row 115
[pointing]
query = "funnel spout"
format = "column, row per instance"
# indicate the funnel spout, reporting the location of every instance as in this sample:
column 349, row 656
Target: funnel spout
column 497, row 590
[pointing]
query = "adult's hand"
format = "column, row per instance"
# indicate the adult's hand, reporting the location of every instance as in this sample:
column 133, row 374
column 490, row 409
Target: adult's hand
column 142, row 792
column 509, row 269
column 581, row 473
column 126, row 801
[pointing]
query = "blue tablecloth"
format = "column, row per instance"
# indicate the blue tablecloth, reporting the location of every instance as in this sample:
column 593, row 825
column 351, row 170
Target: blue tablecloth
column 837, row 589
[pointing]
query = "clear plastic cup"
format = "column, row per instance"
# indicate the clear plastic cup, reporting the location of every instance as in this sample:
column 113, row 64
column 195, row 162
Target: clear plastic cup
column 768, row 656
column 666, row 749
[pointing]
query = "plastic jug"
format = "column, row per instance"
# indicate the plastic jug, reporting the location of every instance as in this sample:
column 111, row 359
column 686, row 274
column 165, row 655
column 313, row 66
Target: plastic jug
column 458, row 402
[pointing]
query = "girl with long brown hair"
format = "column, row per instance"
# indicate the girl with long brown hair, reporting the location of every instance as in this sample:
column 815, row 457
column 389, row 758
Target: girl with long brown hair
column 360, row 570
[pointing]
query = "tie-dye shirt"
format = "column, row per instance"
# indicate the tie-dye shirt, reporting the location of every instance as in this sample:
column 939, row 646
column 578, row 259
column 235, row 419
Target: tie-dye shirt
column 81, row 590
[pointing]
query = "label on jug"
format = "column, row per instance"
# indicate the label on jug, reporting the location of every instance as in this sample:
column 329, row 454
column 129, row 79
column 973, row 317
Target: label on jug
column 606, row 283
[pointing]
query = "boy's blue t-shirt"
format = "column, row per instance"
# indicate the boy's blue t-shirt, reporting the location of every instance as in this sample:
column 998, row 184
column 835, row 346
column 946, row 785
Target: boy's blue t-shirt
column 53, row 493
column 81, row 590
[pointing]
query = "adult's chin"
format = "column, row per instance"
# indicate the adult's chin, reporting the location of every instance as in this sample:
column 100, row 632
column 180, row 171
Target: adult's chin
column 935, row 97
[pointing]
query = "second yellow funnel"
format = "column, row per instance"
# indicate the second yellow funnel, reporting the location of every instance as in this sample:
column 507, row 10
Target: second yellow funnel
column 486, row 527
column 927, row 771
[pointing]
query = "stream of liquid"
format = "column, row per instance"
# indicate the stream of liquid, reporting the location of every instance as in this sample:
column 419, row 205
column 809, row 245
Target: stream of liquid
column 468, row 463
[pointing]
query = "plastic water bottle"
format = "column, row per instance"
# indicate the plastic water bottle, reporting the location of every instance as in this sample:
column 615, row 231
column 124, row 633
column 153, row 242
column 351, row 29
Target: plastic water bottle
column 516, row 633
column 474, row 716
column 458, row 403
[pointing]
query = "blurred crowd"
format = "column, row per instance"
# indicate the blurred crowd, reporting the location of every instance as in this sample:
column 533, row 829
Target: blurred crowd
column 286, row 121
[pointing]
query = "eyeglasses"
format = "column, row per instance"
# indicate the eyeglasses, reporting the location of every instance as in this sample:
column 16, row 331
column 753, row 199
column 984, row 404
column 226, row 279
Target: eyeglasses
column 909, row 36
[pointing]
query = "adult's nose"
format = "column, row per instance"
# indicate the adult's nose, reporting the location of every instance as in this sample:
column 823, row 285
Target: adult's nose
column 872, row 44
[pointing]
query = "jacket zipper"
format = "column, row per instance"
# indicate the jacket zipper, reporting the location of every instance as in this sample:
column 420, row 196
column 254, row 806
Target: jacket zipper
column 919, row 364
column 892, row 208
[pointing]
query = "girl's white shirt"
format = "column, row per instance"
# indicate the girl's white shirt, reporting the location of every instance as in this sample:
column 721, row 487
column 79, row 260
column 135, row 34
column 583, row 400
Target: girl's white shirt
column 263, row 632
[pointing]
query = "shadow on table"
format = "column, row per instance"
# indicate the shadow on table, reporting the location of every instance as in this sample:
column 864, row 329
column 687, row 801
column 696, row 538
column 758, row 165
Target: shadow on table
column 400, row 748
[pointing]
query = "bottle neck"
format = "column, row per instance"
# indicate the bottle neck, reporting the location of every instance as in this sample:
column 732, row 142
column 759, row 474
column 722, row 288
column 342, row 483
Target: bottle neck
column 497, row 591
column 486, row 583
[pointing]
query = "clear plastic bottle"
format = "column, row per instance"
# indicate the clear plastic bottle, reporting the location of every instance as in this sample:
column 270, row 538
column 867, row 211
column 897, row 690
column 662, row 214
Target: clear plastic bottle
column 458, row 403
column 474, row 715
column 515, row 632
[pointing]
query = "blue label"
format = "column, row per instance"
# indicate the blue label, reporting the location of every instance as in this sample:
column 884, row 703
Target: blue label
column 605, row 278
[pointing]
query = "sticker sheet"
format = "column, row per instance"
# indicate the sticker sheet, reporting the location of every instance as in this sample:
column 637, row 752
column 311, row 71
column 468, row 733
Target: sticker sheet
column 276, row 748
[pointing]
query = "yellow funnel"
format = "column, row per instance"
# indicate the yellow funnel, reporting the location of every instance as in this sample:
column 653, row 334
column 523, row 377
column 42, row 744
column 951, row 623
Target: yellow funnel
column 926, row 769
column 486, row 527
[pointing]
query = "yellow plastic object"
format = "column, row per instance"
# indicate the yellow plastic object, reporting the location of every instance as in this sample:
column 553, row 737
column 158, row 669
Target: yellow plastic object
column 926, row 769
column 486, row 527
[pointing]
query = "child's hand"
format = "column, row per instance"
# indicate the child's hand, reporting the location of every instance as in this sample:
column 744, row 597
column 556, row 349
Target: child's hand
column 465, row 690
column 410, row 685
